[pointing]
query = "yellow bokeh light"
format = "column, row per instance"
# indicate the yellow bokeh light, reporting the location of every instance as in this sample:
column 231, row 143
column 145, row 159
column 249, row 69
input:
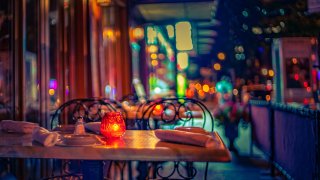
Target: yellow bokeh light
column 206, row 88
column 170, row 30
column 51, row 92
column 268, row 97
column 154, row 56
column 201, row 93
column 182, row 60
column 108, row 34
column 217, row 67
column 271, row 73
column 103, row 2
column 264, row 71
column 221, row 56
column 151, row 35
column 154, row 62
column 138, row 33
column 153, row 49
column 198, row 86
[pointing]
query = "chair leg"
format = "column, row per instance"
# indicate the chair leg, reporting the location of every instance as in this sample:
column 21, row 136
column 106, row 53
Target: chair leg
column 206, row 170
column 143, row 170
column 130, row 170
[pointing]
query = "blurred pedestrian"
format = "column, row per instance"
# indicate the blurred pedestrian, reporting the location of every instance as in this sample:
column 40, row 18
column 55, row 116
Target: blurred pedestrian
column 229, row 112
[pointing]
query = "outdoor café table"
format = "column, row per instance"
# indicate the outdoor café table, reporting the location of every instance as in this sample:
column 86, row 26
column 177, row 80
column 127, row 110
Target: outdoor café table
column 137, row 145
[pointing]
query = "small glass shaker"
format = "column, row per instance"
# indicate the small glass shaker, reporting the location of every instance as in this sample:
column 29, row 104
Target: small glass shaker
column 79, row 127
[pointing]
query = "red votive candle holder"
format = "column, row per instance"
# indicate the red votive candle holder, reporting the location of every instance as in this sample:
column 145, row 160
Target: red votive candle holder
column 112, row 125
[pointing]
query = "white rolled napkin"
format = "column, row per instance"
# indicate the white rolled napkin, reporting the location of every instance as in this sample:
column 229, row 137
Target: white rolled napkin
column 18, row 126
column 185, row 137
column 45, row 137
column 93, row 126
column 193, row 129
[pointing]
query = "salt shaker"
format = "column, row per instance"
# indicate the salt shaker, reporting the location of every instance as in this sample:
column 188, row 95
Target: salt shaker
column 79, row 128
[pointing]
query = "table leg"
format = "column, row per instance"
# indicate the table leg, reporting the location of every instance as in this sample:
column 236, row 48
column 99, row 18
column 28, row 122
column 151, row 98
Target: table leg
column 92, row 170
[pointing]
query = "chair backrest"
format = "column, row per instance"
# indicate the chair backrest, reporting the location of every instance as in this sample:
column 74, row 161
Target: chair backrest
column 168, row 113
column 90, row 109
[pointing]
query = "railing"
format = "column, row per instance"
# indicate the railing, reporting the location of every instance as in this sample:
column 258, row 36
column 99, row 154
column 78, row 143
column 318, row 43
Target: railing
column 289, row 136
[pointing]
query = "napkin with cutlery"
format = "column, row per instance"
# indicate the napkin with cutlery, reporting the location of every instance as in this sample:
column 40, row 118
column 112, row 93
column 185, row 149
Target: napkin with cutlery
column 45, row 137
column 191, row 136
column 93, row 127
column 18, row 126
column 32, row 130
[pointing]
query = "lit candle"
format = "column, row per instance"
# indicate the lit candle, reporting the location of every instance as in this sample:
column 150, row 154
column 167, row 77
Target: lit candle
column 112, row 125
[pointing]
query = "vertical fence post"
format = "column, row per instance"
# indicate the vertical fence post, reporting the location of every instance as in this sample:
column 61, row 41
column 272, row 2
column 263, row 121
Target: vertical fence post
column 251, row 130
column 272, row 139
column 317, row 141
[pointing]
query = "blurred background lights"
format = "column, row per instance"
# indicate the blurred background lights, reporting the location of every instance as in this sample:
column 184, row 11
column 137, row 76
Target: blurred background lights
column 51, row 92
column 245, row 13
column 53, row 84
column 221, row 56
column 271, row 73
column 182, row 60
column 170, row 30
column 264, row 71
column 154, row 62
column 198, row 86
column 256, row 30
column 235, row 92
column 161, row 56
column 245, row 27
column 224, row 86
column 154, row 56
column 189, row 93
column 151, row 35
column 294, row 60
column 153, row 49
column 201, row 94
column 206, row 88
column 104, row 2
column 183, row 36
column 182, row 85
column 108, row 34
column 308, row 89
column 138, row 33
column 313, row 57
column 217, row 67
column 212, row 90
column 157, row 90
column 268, row 97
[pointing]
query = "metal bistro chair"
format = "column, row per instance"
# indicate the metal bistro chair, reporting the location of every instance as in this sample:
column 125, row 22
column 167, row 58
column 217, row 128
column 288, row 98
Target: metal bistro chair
column 91, row 110
column 168, row 113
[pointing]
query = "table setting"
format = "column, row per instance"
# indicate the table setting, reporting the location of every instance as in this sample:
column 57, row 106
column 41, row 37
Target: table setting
column 109, row 140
